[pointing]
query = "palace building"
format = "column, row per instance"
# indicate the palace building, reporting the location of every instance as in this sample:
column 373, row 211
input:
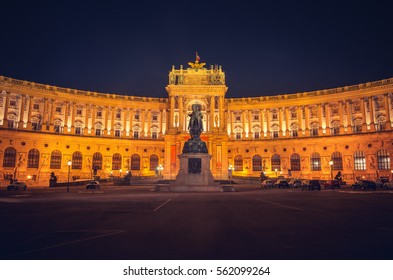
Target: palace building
column 307, row 135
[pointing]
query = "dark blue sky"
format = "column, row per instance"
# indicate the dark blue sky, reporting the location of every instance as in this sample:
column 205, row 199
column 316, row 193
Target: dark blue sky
column 274, row 47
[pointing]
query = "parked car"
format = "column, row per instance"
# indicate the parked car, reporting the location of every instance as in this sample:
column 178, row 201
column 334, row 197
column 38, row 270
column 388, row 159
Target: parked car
column 269, row 183
column 332, row 184
column 311, row 185
column 364, row 185
column 281, row 184
column 17, row 186
column 92, row 185
column 295, row 183
column 381, row 182
column 388, row 185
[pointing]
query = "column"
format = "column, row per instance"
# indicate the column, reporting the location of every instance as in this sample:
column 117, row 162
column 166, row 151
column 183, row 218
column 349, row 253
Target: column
column 244, row 115
column 211, row 120
column 387, row 110
column 328, row 124
column 181, row 115
column 142, row 116
column 113, row 111
column 66, row 112
column 124, row 124
column 86, row 128
column 268, row 122
column 307, row 122
column 52, row 115
column 21, row 112
column 172, row 112
column 131, row 123
column 280, row 122
column 45, row 114
column 149, row 123
column 261, row 122
column 320, row 119
column 230, row 126
column 349, row 115
column 93, row 120
column 105, row 131
column 372, row 118
column 299, row 111
column 222, row 119
column 73, row 118
column 29, row 113
column 364, row 116
column 249, row 116
column 160, row 120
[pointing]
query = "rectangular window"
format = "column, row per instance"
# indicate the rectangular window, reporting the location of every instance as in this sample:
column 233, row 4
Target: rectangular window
column 155, row 118
column 78, row 130
column 256, row 117
column 356, row 128
column 99, row 115
column 293, row 114
column 256, row 135
column 294, row 133
column 136, row 134
column 136, row 117
column 275, row 134
column 98, row 132
column 58, row 109
column 10, row 123
column 118, row 116
column 79, row 112
column 34, row 126
column 238, row 118
column 274, row 116
column 36, row 106
column 314, row 131
column 154, row 135
column 238, row 135
column 335, row 130
column 57, row 128
column 117, row 133
column 335, row 111
column 12, row 103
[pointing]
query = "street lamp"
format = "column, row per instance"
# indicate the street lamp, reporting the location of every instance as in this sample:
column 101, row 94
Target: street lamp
column 120, row 172
column 230, row 169
column 159, row 169
column 391, row 171
column 331, row 169
column 276, row 172
column 69, row 163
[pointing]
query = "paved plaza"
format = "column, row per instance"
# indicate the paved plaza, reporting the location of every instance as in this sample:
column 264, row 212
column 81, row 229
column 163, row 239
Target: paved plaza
column 136, row 223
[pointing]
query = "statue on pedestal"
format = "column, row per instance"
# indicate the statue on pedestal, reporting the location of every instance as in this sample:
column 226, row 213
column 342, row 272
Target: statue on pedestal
column 195, row 127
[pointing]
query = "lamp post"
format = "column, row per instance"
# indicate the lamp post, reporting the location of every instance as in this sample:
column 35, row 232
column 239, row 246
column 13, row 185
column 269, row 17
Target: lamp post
column 160, row 168
column 276, row 172
column 230, row 169
column 69, row 163
column 120, row 172
column 331, row 169
column 391, row 171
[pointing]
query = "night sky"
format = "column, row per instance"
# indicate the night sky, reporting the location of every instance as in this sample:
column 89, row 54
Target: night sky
column 271, row 48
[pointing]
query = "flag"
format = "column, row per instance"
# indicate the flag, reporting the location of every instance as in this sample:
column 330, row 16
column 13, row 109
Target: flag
column 197, row 58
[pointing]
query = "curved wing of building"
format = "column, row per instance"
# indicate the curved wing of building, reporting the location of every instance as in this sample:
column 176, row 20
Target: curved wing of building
column 307, row 135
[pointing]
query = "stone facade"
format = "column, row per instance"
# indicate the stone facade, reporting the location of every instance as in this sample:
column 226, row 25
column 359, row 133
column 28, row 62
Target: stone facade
column 43, row 127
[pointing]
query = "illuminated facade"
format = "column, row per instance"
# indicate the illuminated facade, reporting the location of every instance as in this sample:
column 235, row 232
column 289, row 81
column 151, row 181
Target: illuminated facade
column 43, row 127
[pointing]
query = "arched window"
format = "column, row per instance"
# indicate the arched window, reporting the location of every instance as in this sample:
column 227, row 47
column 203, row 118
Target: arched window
column 33, row 158
column 116, row 161
column 153, row 162
column 9, row 159
column 276, row 162
column 359, row 160
column 238, row 163
column 315, row 162
column 383, row 160
column 135, row 162
column 256, row 163
column 77, row 160
column 295, row 162
column 337, row 159
column 55, row 160
column 97, row 161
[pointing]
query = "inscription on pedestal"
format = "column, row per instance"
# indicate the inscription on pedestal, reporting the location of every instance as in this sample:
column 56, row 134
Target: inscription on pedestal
column 195, row 165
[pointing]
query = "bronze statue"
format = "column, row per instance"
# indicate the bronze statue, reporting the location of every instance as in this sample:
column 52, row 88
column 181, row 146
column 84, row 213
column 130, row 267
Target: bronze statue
column 195, row 125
